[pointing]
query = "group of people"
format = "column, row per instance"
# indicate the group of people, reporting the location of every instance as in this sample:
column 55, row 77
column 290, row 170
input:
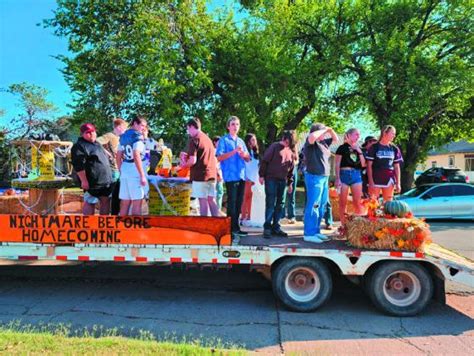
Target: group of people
column 112, row 169
column 116, row 165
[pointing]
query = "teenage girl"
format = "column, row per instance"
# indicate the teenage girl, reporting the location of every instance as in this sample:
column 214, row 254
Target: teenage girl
column 383, row 165
column 349, row 164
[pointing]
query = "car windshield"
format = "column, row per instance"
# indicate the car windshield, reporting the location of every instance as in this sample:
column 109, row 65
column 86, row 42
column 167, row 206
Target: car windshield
column 415, row 191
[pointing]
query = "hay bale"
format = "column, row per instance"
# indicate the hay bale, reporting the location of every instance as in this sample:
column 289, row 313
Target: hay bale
column 10, row 204
column 335, row 207
column 400, row 234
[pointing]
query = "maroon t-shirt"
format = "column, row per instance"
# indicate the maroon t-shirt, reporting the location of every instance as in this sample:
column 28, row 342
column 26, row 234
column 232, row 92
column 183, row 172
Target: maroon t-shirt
column 277, row 163
column 202, row 147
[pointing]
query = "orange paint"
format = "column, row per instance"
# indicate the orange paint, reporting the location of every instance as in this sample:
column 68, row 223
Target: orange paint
column 142, row 230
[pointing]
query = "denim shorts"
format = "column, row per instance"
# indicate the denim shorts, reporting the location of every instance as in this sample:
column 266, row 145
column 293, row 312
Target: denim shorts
column 350, row 176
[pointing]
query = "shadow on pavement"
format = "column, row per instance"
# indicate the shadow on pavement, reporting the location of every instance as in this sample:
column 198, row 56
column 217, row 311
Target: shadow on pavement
column 231, row 307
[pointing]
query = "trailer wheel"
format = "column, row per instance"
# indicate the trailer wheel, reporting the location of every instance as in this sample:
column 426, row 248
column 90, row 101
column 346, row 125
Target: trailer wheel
column 302, row 284
column 400, row 288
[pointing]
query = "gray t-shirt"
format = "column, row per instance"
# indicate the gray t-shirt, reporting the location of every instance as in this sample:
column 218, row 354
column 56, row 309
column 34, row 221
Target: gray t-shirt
column 316, row 157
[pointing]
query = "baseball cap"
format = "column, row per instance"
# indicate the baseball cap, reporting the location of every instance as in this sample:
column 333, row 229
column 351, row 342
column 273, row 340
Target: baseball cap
column 87, row 127
column 369, row 139
column 317, row 126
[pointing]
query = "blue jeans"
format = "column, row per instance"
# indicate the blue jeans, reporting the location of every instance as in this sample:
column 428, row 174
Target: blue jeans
column 317, row 195
column 328, row 214
column 275, row 191
column 291, row 198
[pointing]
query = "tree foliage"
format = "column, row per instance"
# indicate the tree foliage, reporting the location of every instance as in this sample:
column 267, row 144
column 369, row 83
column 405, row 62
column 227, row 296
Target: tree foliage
column 147, row 57
column 412, row 68
column 37, row 110
column 280, row 66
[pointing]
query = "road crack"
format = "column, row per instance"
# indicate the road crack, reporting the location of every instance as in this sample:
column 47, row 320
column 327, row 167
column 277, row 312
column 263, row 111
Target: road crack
column 280, row 341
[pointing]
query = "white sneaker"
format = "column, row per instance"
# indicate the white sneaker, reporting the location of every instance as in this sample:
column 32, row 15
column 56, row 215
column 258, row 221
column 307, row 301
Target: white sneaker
column 323, row 237
column 314, row 239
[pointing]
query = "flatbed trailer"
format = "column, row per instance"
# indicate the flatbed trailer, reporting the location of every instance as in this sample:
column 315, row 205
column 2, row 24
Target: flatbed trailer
column 398, row 283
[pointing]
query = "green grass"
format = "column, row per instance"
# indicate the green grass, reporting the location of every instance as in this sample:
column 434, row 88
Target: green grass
column 31, row 340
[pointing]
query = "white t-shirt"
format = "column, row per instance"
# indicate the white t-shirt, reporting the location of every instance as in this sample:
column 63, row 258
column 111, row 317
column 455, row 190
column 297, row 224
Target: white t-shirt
column 251, row 169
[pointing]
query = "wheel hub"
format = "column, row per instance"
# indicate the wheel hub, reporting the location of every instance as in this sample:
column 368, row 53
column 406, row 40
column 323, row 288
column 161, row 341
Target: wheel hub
column 397, row 284
column 402, row 288
column 301, row 280
column 302, row 284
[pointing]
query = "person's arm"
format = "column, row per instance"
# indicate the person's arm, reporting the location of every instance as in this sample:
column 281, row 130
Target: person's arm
column 369, row 174
column 396, row 166
column 244, row 153
column 338, row 171
column 220, row 154
column 119, row 159
column 83, row 179
column 189, row 158
column 138, row 163
column 78, row 156
column 264, row 163
column 227, row 155
column 316, row 136
column 333, row 134
column 363, row 162
column 189, row 161
column 290, row 178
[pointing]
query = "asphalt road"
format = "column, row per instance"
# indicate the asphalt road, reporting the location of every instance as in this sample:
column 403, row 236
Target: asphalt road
column 232, row 307
column 457, row 236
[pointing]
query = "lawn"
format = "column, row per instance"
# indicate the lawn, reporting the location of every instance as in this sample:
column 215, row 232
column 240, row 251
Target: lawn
column 40, row 342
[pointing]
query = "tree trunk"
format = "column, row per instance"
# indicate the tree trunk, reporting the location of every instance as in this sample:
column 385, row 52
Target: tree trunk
column 407, row 177
column 409, row 150
column 271, row 134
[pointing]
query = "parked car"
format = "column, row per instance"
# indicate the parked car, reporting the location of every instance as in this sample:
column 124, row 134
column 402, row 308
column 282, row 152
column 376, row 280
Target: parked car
column 442, row 175
column 441, row 201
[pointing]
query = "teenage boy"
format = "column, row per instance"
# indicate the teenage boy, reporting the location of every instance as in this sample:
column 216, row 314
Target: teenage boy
column 276, row 170
column 200, row 155
column 110, row 141
column 232, row 154
column 316, row 155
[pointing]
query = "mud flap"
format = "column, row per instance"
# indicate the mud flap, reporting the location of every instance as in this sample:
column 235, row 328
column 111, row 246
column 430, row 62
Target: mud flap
column 439, row 290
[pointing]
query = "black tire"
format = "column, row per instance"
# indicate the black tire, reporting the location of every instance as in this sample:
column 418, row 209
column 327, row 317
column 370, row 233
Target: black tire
column 400, row 288
column 302, row 284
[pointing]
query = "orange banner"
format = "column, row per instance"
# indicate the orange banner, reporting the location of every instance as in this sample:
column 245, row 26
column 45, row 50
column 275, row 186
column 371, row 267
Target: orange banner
column 142, row 230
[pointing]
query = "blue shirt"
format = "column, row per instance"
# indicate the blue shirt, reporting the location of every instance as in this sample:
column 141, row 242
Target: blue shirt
column 128, row 142
column 233, row 168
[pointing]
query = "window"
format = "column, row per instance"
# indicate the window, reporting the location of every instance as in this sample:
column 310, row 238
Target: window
column 469, row 163
column 451, row 162
column 441, row 191
column 463, row 190
column 433, row 164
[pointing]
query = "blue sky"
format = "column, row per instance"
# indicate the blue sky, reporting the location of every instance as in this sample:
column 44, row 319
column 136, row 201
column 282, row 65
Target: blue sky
column 27, row 51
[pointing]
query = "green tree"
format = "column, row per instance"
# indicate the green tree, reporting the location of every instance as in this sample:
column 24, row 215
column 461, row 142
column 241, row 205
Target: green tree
column 268, row 73
column 37, row 110
column 411, row 66
column 147, row 57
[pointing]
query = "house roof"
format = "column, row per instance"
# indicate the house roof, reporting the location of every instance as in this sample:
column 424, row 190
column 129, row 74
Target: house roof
column 453, row 147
